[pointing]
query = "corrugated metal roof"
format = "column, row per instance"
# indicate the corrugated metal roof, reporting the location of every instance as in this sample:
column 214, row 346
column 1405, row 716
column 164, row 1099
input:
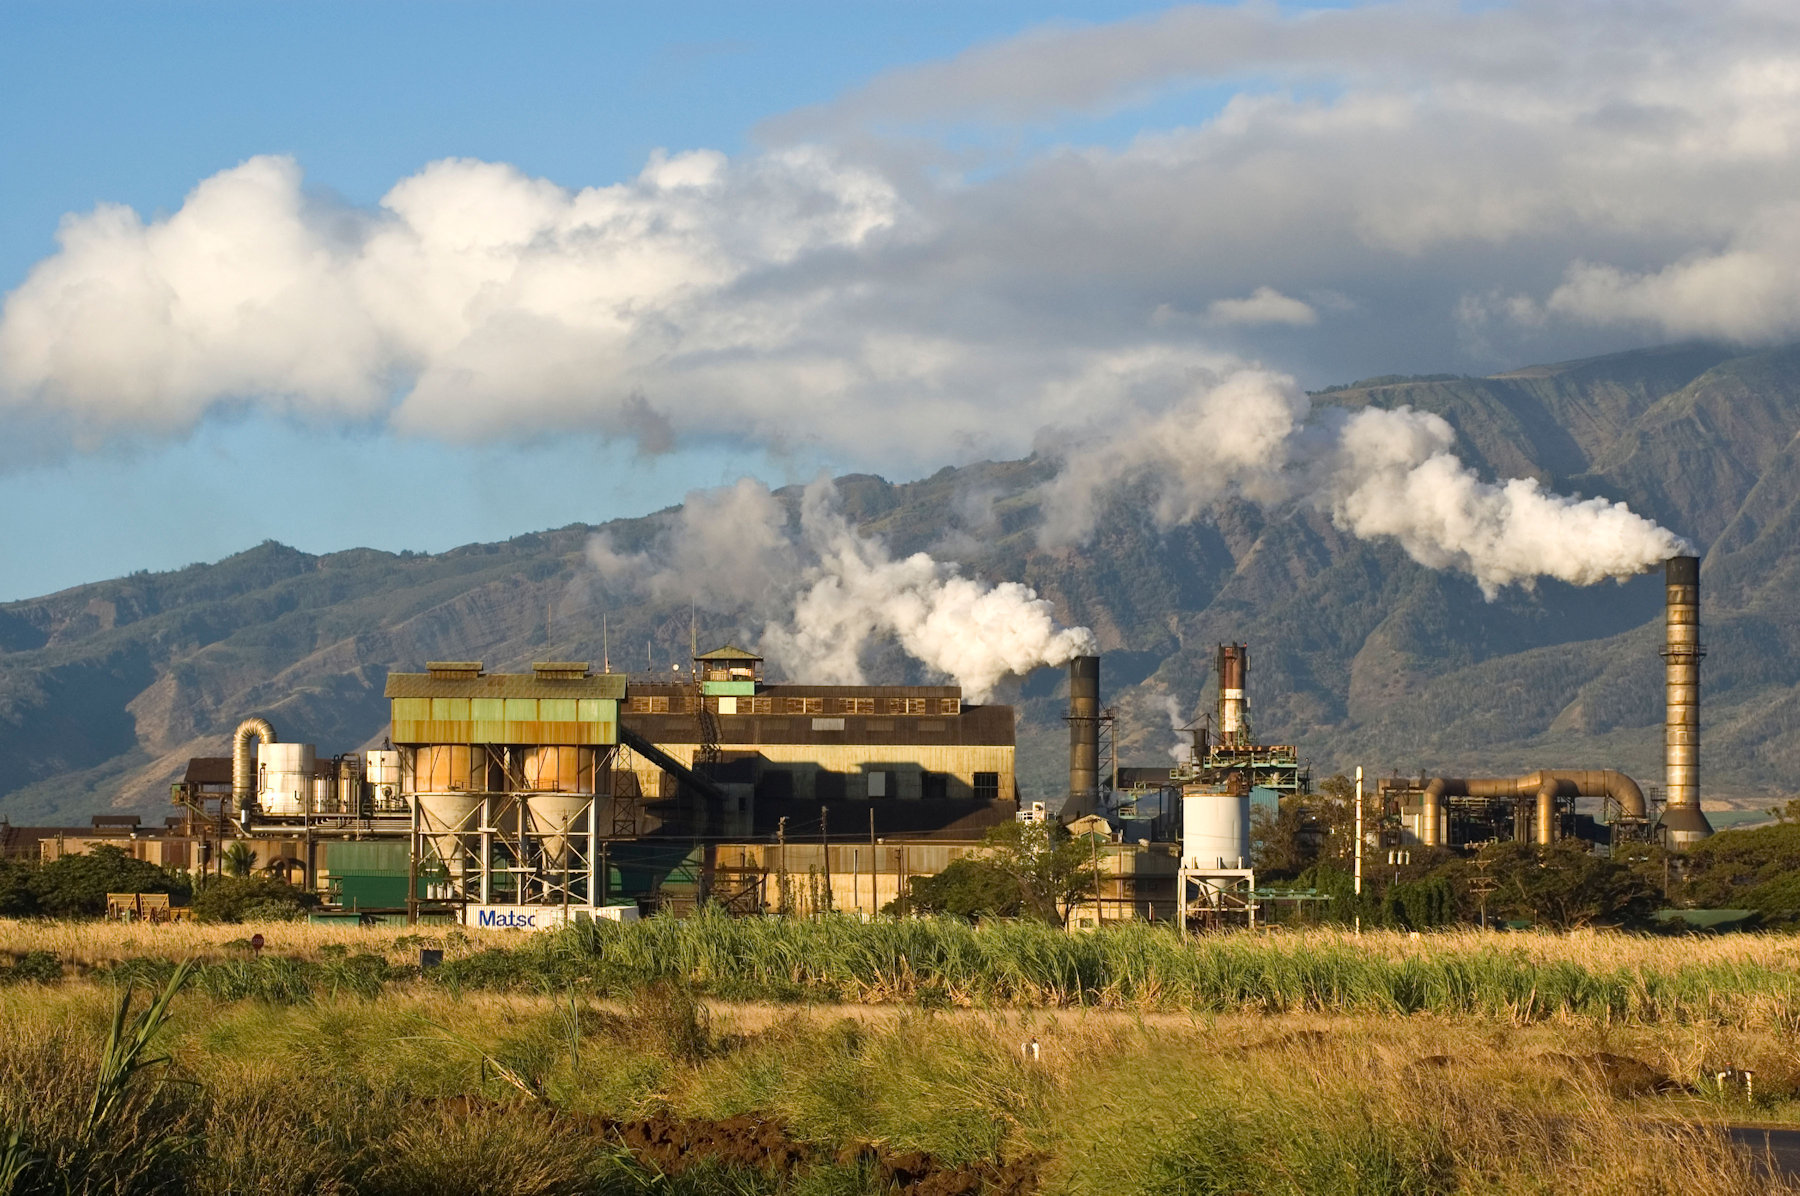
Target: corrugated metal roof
column 660, row 688
column 505, row 685
column 976, row 726
column 728, row 652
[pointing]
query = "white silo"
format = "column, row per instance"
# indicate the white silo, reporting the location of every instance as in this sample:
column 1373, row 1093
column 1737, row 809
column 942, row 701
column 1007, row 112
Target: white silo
column 1215, row 828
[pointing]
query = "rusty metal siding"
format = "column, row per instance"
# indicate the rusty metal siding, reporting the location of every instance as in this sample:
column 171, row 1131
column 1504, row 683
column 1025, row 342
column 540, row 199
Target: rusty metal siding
column 606, row 686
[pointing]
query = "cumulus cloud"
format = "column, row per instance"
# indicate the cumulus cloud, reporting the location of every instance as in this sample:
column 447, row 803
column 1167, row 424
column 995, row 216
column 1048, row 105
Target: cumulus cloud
column 1378, row 474
column 829, row 593
column 1265, row 305
column 1552, row 176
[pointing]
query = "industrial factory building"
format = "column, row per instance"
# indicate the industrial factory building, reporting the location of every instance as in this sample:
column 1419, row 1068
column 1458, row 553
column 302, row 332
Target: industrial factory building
column 503, row 796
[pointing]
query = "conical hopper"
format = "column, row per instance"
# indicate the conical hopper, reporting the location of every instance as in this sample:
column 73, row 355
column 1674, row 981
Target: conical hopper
column 449, row 821
column 554, row 817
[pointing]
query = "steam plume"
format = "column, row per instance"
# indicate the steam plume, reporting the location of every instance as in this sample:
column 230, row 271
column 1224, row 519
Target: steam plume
column 1376, row 473
column 845, row 591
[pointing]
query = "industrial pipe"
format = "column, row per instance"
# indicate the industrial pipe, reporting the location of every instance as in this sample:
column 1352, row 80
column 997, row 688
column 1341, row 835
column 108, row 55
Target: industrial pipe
column 1546, row 786
column 1682, row 819
column 1084, row 736
column 243, row 777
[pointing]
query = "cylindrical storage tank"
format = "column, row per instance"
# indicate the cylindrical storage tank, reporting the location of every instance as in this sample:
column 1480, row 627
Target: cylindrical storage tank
column 381, row 776
column 1084, row 732
column 1215, row 828
column 449, row 767
column 284, row 778
column 325, row 795
column 562, row 769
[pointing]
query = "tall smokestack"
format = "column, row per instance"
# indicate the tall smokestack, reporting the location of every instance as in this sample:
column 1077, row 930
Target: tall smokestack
column 1084, row 736
column 1682, row 820
column 1234, row 669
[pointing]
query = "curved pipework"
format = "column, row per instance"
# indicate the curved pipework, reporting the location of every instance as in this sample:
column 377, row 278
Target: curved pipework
column 1545, row 785
column 243, row 773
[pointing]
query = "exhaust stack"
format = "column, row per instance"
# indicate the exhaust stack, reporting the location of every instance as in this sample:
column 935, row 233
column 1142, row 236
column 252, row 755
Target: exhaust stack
column 1084, row 736
column 1683, row 822
column 1234, row 669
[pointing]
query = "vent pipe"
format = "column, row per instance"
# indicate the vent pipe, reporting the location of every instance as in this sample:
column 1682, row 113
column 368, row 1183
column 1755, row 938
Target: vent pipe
column 1682, row 820
column 1084, row 736
column 243, row 773
column 1234, row 670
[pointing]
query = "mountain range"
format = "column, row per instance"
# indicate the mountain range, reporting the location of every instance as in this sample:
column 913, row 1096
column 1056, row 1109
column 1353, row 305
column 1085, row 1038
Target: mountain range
column 1358, row 654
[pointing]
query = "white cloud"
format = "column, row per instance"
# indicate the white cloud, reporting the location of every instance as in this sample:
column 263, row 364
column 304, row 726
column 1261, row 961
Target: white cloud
column 1444, row 182
column 1265, row 305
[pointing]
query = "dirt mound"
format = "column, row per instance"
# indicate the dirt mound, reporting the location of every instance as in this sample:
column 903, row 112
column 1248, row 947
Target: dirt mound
column 1620, row 1075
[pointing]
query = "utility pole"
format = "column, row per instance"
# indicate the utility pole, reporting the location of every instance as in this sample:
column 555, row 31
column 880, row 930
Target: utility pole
column 825, row 838
column 781, row 874
column 1359, row 846
column 874, row 867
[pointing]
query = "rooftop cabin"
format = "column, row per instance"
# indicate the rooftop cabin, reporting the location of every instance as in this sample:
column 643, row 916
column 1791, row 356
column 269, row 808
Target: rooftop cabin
column 729, row 672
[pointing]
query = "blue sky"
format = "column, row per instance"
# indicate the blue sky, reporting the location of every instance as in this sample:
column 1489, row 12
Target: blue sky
column 930, row 233
column 134, row 103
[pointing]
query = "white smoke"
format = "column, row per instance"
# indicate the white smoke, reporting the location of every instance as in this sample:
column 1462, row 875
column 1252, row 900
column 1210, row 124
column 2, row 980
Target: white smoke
column 1183, row 750
column 734, row 550
column 1376, row 473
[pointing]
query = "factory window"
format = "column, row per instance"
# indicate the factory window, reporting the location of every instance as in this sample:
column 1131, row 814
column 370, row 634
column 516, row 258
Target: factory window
column 859, row 705
column 987, row 786
column 907, row 706
column 659, row 705
column 757, row 706
column 934, row 785
column 949, row 705
column 806, row 705
column 638, row 706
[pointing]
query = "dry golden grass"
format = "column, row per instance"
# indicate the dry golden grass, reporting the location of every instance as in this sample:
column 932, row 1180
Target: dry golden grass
column 335, row 1094
column 91, row 942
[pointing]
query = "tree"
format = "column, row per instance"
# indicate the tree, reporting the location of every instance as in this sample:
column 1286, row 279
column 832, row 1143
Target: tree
column 238, row 859
column 968, row 888
column 18, row 895
column 1565, row 885
column 251, row 899
column 1053, row 870
column 76, row 885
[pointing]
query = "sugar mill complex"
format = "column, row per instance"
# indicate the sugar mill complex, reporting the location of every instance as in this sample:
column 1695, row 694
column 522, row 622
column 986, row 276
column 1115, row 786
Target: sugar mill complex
column 527, row 799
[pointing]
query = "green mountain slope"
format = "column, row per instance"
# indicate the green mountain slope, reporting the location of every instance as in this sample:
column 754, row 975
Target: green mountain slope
column 1359, row 655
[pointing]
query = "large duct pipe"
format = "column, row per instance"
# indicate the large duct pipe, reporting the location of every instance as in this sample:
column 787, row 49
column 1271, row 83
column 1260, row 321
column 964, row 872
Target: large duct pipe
column 1234, row 670
column 1546, row 786
column 1682, row 820
column 243, row 773
column 1084, row 736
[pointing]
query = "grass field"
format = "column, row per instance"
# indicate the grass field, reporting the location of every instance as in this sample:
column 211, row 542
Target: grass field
column 581, row 1067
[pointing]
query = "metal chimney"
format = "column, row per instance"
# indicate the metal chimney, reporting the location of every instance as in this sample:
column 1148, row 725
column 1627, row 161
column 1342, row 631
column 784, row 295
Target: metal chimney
column 1234, row 668
column 1084, row 736
column 1682, row 820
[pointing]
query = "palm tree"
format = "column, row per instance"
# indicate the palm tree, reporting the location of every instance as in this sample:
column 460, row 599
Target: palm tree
column 239, row 859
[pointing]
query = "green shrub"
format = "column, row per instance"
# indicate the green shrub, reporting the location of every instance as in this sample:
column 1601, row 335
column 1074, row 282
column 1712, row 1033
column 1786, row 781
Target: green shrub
column 33, row 967
column 251, row 899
